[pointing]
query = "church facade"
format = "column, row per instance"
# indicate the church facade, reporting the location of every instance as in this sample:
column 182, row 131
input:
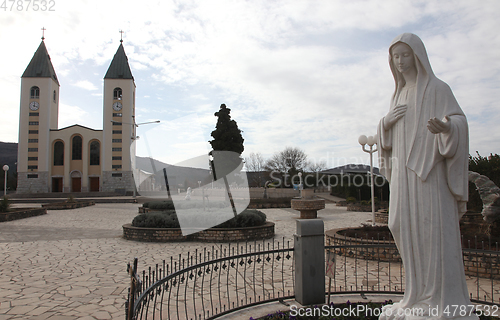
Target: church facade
column 75, row 158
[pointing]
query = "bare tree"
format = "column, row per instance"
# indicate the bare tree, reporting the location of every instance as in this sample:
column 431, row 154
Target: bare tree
column 255, row 164
column 287, row 164
column 316, row 166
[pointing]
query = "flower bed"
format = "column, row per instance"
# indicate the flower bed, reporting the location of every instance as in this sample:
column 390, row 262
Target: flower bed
column 265, row 231
column 163, row 226
column 68, row 205
column 21, row 214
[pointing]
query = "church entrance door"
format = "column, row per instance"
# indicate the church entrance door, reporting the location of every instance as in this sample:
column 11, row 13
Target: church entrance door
column 76, row 181
column 57, row 184
column 94, row 184
column 76, row 184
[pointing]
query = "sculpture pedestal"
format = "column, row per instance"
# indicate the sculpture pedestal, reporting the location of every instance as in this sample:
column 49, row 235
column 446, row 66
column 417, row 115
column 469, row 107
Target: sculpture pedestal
column 308, row 205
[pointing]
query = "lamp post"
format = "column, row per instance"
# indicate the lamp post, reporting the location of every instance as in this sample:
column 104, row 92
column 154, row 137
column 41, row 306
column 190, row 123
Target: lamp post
column 5, row 169
column 300, row 183
column 363, row 141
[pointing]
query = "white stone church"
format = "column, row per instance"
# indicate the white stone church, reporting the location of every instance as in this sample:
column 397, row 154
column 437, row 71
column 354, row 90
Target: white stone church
column 75, row 158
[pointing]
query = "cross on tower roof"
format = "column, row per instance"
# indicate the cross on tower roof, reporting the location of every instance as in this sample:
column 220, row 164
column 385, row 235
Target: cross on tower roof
column 121, row 35
column 43, row 33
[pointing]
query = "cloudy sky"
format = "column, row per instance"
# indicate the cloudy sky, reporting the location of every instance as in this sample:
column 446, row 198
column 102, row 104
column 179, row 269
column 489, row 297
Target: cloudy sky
column 306, row 74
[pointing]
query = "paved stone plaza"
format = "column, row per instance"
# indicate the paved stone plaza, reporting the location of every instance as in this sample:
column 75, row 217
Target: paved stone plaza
column 71, row 264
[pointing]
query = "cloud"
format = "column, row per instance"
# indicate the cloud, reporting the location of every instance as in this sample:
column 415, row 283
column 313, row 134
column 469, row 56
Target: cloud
column 70, row 115
column 85, row 84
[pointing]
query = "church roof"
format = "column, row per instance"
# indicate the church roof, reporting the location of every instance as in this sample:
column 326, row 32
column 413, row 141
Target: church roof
column 119, row 68
column 76, row 125
column 40, row 65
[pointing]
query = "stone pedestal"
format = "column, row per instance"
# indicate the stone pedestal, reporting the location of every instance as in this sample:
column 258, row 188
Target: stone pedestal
column 308, row 205
column 309, row 250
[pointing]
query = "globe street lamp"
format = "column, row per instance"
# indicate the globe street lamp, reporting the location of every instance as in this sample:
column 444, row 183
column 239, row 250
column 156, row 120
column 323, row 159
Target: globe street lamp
column 363, row 141
column 5, row 169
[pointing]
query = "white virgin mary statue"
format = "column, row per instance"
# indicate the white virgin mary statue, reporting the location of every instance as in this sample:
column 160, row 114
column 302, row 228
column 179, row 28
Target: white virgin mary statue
column 423, row 152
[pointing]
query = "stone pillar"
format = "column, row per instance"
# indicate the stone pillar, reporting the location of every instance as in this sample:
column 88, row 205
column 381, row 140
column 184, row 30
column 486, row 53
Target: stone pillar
column 309, row 250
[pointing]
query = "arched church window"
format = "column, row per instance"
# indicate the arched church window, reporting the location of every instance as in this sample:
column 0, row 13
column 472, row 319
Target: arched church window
column 77, row 148
column 35, row 92
column 59, row 153
column 54, row 96
column 117, row 94
column 95, row 153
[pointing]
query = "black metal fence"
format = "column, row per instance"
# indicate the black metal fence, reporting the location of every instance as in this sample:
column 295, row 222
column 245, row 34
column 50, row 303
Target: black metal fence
column 215, row 281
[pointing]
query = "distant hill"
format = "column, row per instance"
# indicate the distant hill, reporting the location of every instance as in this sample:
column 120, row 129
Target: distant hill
column 144, row 163
column 8, row 155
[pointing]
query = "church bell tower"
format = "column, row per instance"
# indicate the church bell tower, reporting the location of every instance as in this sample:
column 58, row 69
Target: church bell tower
column 119, row 130
column 38, row 114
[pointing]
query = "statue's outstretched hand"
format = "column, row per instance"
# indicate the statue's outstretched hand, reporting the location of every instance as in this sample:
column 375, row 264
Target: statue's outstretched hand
column 437, row 126
column 394, row 115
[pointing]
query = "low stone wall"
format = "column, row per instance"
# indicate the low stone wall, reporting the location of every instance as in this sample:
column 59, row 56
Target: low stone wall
column 274, row 193
column 382, row 217
column 210, row 235
column 474, row 218
column 269, row 203
column 361, row 208
column 22, row 213
column 68, row 205
column 484, row 265
column 384, row 254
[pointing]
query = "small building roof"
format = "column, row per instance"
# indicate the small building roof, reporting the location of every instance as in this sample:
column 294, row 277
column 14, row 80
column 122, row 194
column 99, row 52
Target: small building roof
column 119, row 68
column 351, row 168
column 40, row 65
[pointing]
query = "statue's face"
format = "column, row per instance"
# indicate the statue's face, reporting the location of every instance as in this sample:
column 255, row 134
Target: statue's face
column 402, row 57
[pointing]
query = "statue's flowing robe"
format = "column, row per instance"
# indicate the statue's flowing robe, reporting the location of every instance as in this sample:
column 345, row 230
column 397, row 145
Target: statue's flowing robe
column 429, row 188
